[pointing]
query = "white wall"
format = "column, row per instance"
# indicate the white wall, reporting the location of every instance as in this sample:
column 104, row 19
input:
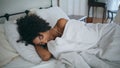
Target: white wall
column 13, row 6
column 80, row 7
column 74, row 7
column 70, row 7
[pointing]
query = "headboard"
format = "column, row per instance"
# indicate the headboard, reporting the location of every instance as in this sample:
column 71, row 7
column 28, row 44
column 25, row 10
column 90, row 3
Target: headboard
column 7, row 14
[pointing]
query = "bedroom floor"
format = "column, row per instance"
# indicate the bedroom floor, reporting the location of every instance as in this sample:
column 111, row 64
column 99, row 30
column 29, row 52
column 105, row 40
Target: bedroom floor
column 96, row 20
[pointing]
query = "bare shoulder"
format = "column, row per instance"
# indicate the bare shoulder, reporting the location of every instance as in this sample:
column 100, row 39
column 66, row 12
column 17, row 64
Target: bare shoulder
column 61, row 23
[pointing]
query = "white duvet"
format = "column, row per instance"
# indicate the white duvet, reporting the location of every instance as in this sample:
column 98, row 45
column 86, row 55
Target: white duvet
column 87, row 46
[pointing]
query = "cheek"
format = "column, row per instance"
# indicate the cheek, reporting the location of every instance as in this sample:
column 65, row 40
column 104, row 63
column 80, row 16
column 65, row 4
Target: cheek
column 36, row 40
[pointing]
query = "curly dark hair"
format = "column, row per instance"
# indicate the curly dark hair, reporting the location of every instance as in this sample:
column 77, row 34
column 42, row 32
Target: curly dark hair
column 29, row 26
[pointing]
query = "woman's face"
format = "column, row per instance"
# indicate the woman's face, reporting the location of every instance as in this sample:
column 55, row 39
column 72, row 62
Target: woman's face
column 41, row 39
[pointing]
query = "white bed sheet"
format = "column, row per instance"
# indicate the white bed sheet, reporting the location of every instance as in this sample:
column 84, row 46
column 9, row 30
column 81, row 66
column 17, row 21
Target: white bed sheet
column 19, row 62
column 98, row 43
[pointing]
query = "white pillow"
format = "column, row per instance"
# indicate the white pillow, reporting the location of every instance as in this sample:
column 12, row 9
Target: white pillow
column 7, row 53
column 51, row 15
column 1, row 28
column 27, row 52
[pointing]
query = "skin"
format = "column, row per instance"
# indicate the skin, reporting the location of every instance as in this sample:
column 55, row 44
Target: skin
column 46, row 37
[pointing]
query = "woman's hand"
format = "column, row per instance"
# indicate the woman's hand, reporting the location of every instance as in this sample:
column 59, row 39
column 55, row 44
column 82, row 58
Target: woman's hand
column 43, row 53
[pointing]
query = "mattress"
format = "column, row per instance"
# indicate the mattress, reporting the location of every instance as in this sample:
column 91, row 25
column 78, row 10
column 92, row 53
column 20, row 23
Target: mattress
column 19, row 62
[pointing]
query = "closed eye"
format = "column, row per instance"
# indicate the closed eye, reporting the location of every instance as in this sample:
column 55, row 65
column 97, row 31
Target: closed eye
column 40, row 36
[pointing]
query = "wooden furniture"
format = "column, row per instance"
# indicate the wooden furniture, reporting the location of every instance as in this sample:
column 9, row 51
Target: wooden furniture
column 94, row 3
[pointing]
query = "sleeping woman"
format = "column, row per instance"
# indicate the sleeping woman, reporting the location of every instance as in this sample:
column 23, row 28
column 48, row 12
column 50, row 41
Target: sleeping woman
column 36, row 31
column 65, row 36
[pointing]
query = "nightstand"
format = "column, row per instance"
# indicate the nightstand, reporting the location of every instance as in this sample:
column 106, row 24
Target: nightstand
column 78, row 17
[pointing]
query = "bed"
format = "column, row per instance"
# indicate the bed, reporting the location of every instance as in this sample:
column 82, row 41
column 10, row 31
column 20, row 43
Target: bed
column 12, row 56
column 17, row 55
column 24, row 56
